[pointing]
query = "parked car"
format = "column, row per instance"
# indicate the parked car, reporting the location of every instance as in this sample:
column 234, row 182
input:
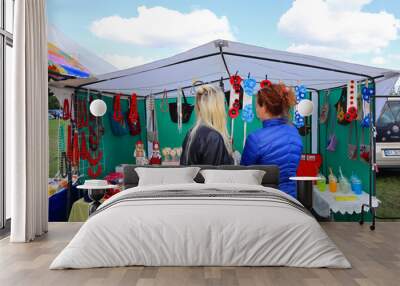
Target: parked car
column 57, row 113
column 388, row 135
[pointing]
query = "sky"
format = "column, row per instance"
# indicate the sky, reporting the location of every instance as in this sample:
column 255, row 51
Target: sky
column 127, row 33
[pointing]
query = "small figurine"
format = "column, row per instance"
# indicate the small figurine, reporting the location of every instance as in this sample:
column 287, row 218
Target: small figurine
column 156, row 156
column 173, row 155
column 166, row 153
column 140, row 154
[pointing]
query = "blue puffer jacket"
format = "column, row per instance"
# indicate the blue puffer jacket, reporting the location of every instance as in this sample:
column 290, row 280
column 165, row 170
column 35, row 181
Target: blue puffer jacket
column 277, row 143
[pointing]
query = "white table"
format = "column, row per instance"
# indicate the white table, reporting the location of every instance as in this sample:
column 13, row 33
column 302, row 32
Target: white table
column 324, row 203
column 305, row 190
column 96, row 193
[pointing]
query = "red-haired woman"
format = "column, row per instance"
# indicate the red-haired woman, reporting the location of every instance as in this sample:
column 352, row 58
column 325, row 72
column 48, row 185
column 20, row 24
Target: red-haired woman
column 278, row 142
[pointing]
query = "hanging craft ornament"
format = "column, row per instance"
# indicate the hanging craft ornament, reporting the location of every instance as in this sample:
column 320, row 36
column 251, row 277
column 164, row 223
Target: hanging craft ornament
column 366, row 93
column 265, row 83
column 332, row 140
column 233, row 113
column 341, row 108
column 247, row 113
column 117, row 109
column 235, row 81
column 300, row 92
column 75, row 149
column 305, row 107
column 66, row 110
column 249, row 85
column 151, row 121
column 84, row 153
column 61, row 152
column 352, row 148
column 164, row 102
column 179, row 110
column 352, row 94
column 95, row 174
column 365, row 150
column 234, row 100
column 133, row 116
column 324, row 115
column 96, row 130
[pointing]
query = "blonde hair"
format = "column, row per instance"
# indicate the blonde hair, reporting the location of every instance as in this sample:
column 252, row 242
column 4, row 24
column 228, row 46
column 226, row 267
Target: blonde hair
column 210, row 112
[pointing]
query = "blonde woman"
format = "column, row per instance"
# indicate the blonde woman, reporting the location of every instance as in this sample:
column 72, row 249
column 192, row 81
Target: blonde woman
column 207, row 143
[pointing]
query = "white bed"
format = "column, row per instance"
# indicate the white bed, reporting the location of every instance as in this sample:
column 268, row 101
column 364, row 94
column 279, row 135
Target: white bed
column 247, row 226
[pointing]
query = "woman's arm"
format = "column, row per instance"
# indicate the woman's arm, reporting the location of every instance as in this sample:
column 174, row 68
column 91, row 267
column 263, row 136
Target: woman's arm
column 250, row 151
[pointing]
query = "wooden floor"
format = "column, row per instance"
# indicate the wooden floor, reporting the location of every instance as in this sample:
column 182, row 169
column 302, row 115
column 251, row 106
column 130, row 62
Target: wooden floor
column 375, row 257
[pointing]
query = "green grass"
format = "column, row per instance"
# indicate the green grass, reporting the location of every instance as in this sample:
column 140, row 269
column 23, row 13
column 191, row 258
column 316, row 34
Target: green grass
column 388, row 192
column 53, row 145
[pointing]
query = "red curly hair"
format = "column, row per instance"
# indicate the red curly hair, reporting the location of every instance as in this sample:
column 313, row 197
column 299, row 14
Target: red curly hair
column 277, row 99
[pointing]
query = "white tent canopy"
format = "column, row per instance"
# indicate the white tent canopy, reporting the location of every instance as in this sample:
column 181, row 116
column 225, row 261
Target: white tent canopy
column 219, row 59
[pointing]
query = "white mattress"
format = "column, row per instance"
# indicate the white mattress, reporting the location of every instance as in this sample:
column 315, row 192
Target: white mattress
column 190, row 231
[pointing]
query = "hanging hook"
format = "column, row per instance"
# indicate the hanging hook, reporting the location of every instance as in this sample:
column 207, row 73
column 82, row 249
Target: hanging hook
column 248, row 75
column 221, row 84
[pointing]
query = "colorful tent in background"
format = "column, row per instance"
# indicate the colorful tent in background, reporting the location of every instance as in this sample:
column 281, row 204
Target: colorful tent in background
column 60, row 64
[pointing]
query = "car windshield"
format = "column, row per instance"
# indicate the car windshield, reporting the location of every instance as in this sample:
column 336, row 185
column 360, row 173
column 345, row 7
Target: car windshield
column 390, row 114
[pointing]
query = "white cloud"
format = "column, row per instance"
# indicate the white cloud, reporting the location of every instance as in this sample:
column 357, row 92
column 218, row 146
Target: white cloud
column 379, row 60
column 322, row 51
column 338, row 26
column 123, row 62
column 160, row 27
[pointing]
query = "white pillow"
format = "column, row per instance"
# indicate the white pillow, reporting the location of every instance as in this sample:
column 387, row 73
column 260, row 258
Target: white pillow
column 166, row 176
column 248, row 177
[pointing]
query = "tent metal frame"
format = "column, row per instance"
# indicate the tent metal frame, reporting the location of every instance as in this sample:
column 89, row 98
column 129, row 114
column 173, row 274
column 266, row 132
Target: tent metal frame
column 222, row 54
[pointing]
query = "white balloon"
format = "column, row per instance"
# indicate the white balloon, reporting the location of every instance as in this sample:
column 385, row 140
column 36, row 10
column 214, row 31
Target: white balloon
column 98, row 108
column 305, row 107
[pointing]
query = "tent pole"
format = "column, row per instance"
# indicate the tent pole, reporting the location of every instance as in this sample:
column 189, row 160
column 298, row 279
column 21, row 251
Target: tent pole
column 299, row 64
column 152, row 69
column 372, row 184
column 224, row 60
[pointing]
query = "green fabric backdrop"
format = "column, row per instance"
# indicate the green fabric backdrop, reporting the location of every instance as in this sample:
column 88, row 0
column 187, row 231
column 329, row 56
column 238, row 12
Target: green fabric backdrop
column 339, row 157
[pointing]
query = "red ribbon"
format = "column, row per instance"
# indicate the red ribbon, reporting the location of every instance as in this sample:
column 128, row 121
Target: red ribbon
column 93, row 174
column 133, row 115
column 117, row 109
column 84, row 150
column 69, row 141
column 93, row 161
column 66, row 110
column 75, row 150
column 82, row 120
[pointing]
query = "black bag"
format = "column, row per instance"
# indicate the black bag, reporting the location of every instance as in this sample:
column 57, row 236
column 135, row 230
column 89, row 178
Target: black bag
column 187, row 110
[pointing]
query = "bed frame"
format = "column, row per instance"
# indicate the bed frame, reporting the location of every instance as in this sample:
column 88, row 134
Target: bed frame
column 270, row 179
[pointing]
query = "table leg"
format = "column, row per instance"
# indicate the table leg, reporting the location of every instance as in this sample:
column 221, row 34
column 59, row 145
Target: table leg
column 305, row 193
column 95, row 196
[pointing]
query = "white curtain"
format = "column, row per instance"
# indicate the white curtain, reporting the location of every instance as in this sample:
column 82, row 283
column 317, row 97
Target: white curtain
column 27, row 124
